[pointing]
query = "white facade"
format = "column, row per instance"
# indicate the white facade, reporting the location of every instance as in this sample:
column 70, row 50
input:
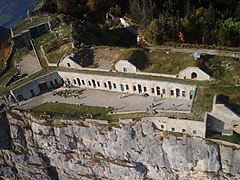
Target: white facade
column 190, row 127
column 37, row 86
column 129, row 85
column 104, row 81
column 69, row 63
column 223, row 120
column 193, row 73
column 125, row 66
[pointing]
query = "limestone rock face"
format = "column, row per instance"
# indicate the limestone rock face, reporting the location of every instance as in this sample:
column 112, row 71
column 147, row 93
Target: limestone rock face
column 67, row 149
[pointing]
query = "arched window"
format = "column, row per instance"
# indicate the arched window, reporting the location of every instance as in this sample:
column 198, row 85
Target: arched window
column 158, row 90
column 193, row 75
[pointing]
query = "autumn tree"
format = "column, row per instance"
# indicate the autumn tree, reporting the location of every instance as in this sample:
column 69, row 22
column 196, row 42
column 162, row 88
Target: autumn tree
column 155, row 33
column 181, row 36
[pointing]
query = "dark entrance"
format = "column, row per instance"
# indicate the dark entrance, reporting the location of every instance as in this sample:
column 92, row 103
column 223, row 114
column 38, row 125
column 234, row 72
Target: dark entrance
column 139, row 88
column 20, row 97
column 43, row 87
column 32, row 93
column 193, row 75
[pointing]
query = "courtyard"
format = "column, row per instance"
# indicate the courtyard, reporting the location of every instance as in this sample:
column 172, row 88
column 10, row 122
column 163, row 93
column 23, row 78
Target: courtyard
column 118, row 102
column 29, row 64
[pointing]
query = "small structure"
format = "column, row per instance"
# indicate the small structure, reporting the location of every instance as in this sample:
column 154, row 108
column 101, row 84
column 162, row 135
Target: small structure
column 69, row 63
column 222, row 119
column 194, row 73
column 125, row 66
column 197, row 55
column 103, row 81
column 37, row 86
column 22, row 41
column 184, row 126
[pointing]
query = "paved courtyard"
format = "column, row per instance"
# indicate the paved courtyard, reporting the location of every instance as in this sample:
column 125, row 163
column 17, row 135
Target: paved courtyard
column 29, row 65
column 128, row 103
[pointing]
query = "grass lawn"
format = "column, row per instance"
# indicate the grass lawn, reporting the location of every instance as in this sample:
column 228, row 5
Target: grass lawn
column 159, row 61
column 57, row 54
column 76, row 111
column 54, row 57
column 135, row 116
column 235, row 138
column 70, row 109
column 10, row 72
column 171, row 63
column 27, row 23
column 41, row 40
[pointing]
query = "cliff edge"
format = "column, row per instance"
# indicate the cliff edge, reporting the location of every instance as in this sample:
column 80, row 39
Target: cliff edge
column 44, row 148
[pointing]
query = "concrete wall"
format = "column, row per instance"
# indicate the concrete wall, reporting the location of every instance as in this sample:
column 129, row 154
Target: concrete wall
column 40, row 29
column 190, row 127
column 222, row 119
column 22, row 42
column 109, row 83
column 121, row 64
column 24, row 90
column 187, row 74
column 127, row 84
column 214, row 124
column 67, row 61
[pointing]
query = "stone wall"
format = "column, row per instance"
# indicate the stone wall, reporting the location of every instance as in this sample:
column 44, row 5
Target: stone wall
column 68, row 149
column 130, row 85
column 67, row 62
column 193, row 73
column 22, row 41
column 118, row 83
column 31, row 89
column 185, row 126
column 222, row 119
column 124, row 64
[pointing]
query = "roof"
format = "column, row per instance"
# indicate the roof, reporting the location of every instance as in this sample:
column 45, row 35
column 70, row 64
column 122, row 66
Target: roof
column 195, row 68
column 197, row 54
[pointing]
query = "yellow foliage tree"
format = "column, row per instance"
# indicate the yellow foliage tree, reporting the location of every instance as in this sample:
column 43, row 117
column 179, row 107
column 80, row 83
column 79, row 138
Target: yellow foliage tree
column 181, row 36
column 92, row 5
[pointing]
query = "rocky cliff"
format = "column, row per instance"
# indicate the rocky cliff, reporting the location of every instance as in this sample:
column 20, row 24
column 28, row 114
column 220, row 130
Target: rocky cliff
column 38, row 148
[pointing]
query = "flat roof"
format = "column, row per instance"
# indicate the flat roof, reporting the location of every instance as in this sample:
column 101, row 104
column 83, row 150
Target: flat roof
column 127, row 75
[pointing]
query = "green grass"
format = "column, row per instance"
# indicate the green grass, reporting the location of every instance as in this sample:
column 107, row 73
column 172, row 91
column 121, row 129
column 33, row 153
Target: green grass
column 135, row 116
column 54, row 57
column 33, row 76
column 159, row 61
column 40, row 41
column 8, row 74
column 235, row 138
column 57, row 54
column 172, row 63
column 27, row 23
column 76, row 110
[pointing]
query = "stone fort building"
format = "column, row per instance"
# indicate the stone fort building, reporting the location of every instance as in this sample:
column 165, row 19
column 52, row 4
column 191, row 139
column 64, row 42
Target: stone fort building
column 125, row 83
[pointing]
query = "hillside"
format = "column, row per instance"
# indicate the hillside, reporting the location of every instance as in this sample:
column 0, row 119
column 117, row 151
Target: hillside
column 11, row 12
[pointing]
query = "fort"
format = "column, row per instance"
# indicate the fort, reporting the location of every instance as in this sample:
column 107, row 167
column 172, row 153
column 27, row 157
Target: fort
column 113, row 82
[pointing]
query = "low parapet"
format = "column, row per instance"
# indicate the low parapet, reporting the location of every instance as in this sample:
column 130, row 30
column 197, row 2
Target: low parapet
column 184, row 126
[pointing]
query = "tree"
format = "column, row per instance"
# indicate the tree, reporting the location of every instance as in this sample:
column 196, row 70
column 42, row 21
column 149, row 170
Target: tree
column 135, row 10
column 92, row 5
column 228, row 33
column 181, row 36
column 154, row 34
